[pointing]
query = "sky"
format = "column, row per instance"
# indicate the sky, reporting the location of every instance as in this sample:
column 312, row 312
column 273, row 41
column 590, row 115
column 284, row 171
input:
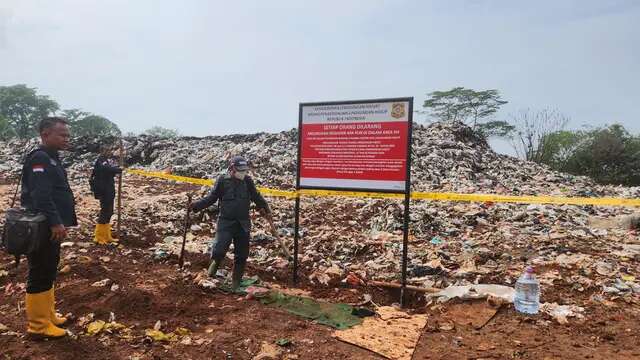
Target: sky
column 218, row 67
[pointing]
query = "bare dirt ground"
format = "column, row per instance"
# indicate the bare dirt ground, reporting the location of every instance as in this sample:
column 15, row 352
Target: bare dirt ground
column 223, row 326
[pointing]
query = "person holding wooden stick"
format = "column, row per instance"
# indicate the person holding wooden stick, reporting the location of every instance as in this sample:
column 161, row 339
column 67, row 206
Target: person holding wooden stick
column 234, row 191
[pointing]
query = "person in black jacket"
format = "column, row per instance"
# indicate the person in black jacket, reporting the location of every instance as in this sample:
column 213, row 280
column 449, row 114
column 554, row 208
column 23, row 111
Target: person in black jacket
column 46, row 190
column 104, row 170
column 234, row 193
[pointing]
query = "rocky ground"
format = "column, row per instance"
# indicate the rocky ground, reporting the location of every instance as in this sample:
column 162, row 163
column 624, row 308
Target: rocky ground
column 586, row 258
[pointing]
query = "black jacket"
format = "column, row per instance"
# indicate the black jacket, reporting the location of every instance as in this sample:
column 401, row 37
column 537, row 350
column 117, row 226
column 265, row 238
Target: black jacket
column 235, row 197
column 45, row 188
column 105, row 173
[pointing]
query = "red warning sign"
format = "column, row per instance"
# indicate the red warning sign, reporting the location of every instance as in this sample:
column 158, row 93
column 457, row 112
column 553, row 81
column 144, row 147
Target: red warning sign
column 355, row 145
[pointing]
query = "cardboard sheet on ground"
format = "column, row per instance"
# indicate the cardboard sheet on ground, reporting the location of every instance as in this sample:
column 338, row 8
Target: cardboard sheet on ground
column 394, row 334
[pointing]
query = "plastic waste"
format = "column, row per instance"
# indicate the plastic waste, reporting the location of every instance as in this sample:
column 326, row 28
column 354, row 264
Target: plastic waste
column 527, row 297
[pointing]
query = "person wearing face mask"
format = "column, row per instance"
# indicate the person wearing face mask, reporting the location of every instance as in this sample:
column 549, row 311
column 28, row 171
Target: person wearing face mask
column 234, row 192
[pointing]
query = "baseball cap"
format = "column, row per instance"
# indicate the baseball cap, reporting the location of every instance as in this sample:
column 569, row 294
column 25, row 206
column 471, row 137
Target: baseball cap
column 239, row 163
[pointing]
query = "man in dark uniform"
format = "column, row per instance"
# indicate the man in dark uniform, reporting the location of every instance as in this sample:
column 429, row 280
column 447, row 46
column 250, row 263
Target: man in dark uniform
column 46, row 190
column 104, row 171
column 235, row 191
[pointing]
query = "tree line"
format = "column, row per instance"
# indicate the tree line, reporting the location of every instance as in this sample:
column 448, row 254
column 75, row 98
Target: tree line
column 21, row 108
column 608, row 154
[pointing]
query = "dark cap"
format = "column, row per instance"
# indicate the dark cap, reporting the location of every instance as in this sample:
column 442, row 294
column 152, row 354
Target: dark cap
column 239, row 163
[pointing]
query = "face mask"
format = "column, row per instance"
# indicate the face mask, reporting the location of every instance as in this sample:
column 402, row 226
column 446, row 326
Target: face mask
column 240, row 175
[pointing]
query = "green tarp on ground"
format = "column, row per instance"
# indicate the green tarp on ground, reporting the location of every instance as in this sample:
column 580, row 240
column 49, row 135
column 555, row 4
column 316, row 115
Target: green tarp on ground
column 335, row 315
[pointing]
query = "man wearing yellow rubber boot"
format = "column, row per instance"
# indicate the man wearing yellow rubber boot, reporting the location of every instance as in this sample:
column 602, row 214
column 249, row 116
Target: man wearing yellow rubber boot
column 46, row 190
column 104, row 189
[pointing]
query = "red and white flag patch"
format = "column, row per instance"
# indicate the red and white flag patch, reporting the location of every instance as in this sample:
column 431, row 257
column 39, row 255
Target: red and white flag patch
column 38, row 168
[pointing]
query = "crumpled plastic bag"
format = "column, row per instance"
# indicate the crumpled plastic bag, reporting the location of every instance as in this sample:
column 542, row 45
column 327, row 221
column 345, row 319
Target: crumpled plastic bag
column 480, row 291
column 98, row 326
column 95, row 327
column 158, row 335
column 562, row 312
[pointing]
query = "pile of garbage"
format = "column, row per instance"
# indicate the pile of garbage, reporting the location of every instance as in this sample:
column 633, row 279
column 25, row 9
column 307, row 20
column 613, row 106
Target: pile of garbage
column 589, row 251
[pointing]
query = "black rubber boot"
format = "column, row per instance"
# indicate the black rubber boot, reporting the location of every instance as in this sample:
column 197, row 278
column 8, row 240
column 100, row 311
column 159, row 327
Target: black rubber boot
column 238, row 271
column 213, row 268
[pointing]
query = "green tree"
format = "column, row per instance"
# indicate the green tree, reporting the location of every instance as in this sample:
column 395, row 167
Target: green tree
column 465, row 105
column 23, row 108
column 6, row 132
column 73, row 115
column 159, row 131
column 561, row 147
column 609, row 155
column 497, row 128
column 94, row 125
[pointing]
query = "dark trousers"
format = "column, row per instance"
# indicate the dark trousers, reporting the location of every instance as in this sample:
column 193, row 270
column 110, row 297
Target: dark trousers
column 227, row 232
column 106, row 209
column 43, row 266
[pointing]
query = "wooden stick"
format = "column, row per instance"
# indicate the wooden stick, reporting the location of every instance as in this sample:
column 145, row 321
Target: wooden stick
column 187, row 223
column 118, row 226
column 274, row 232
column 399, row 286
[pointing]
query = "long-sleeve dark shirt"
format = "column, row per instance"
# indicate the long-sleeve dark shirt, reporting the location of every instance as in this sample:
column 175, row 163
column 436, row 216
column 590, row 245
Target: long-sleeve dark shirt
column 45, row 188
column 105, row 173
column 235, row 197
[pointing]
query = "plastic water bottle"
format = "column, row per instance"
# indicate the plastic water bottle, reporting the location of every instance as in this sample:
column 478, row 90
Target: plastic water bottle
column 527, row 298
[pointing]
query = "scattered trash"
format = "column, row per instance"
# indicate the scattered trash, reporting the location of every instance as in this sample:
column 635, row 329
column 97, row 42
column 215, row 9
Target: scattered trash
column 353, row 280
column 480, row 291
column 160, row 254
column 95, row 327
column 65, row 269
column 446, row 326
column 268, row 352
column 562, row 312
column 256, row 292
column 158, row 335
column 283, row 342
column 102, row 283
column 362, row 312
column 3, row 273
column 604, row 268
column 436, row 241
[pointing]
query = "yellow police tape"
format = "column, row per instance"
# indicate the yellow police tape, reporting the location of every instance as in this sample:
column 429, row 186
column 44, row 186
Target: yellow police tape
column 414, row 195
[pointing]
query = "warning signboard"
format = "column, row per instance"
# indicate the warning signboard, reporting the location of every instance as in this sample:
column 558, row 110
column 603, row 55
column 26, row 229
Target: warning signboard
column 355, row 145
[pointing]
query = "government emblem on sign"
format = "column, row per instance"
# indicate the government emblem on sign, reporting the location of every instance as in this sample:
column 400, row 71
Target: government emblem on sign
column 397, row 110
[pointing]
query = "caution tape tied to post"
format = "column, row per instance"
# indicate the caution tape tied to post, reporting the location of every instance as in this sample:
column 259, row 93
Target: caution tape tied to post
column 558, row 200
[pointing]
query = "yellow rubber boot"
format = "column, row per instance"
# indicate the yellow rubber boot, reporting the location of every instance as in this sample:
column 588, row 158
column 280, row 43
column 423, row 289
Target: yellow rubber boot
column 100, row 234
column 38, row 308
column 109, row 235
column 55, row 319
